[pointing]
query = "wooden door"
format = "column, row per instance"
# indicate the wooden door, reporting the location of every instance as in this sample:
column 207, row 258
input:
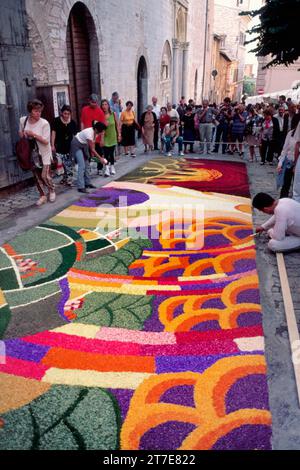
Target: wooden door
column 78, row 53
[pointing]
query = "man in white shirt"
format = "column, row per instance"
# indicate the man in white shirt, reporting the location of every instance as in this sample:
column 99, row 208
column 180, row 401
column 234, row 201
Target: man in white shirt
column 156, row 110
column 284, row 226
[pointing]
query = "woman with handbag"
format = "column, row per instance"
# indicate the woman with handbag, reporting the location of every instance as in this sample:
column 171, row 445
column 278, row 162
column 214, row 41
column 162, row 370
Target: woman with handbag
column 63, row 130
column 111, row 138
column 37, row 130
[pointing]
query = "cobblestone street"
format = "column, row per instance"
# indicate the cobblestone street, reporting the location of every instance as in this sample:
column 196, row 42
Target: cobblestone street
column 18, row 213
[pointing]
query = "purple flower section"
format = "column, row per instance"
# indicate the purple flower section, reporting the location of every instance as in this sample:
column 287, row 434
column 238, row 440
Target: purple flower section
column 208, row 271
column 136, row 272
column 248, row 392
column 249, row 319
column 247, row 437
column 112, row 197
column 213, row 241
column 153, row 323
column 25, row 351
column 243, row 233
column 181, row 395
column 249, row 296
column 213, row 303
column 178, row 311
column 243, row 265
column 207, row 326
column 65, row 294
column 176, row 432
column 229, row 222
column 123, row 397
column 190, row 363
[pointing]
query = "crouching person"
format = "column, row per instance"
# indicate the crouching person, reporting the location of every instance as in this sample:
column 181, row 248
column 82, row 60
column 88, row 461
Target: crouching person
column 82, row 147
column 283, row 227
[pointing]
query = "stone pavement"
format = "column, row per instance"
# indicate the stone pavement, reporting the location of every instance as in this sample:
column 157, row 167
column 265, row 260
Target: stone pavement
column 18, row 213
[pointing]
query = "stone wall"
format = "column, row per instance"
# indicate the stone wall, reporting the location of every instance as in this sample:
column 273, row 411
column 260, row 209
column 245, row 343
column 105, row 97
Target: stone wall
column 125, row 30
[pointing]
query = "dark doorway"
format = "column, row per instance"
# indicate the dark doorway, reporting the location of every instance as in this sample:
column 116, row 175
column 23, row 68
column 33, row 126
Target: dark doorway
column 82, row 45
column 142, row 87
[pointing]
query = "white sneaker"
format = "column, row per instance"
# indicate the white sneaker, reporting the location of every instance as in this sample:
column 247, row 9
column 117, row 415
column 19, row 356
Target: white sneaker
column 112, row 170
column 169, row 154
column 41, row 201
column 106, row 173
column 52, row 196
column 181, row 154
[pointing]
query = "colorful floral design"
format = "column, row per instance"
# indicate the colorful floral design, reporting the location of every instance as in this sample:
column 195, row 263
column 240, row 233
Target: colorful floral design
column 155, row 322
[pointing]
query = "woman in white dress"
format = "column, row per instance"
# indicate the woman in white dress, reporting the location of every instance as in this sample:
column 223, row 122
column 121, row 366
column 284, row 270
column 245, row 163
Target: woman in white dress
column 37, row 129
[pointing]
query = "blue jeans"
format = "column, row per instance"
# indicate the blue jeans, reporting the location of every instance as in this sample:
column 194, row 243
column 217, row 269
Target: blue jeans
column 83, row 174
column 168, row 141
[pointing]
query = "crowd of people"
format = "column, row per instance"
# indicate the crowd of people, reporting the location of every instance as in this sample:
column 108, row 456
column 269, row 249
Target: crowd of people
column 265, row 131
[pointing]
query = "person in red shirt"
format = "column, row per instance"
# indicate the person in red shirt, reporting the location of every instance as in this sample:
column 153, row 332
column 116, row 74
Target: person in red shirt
column 90, row 113
column 163, row 120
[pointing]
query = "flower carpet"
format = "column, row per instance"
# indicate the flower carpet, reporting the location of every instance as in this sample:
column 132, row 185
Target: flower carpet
column 132, row 319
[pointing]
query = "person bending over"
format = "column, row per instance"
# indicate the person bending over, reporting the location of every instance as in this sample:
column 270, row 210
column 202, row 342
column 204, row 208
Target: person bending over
column 283, row 227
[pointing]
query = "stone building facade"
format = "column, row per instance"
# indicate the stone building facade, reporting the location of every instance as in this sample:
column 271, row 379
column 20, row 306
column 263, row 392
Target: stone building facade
column 136, row 47
column 222, row 84
column 276, row 78
column 232, row 27
column 62, row 50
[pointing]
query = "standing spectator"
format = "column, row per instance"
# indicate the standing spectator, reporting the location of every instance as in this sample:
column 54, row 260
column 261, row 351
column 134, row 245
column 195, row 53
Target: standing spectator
column 156, row 110
column 90, row 113
column 116, row 104
column 83, row 143
column 282, row 102
column 171, row 136
column 286, row 163
column 288, row 117
column 280, row 138
column 37, row 130
column 128, row 125
column 63, row 131
column 268, row 130
column 206, row 117
column 296, row 186
column 187, row 122
column 172, row 112
column 181, row 108
column 251, row 132
column 223, row 117
column 238, row 127
column 163, row 120
column 148, row 123
column 111, row 137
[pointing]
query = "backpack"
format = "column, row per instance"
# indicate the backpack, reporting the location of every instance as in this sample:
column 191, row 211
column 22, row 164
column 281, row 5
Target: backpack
column 23, row 152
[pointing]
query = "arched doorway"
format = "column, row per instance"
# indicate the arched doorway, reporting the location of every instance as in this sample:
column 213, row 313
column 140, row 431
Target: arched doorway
column 82, row 45
column 142, row 86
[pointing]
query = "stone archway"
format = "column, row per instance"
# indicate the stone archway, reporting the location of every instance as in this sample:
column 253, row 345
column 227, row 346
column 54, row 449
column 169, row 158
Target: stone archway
column 166, row 74
column 142, row 86
column 83, row 57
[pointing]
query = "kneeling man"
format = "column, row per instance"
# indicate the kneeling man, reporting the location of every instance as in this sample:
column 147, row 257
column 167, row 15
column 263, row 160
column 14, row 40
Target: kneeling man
column 284, row 226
